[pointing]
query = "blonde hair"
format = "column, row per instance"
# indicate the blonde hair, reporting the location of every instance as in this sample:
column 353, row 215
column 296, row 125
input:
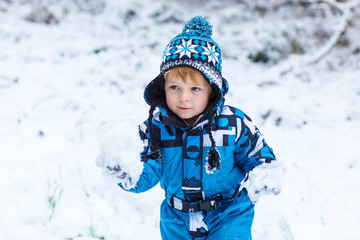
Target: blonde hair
column 185, row 73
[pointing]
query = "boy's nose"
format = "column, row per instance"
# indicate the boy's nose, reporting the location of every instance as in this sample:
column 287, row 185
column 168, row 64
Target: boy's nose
column 184, row 96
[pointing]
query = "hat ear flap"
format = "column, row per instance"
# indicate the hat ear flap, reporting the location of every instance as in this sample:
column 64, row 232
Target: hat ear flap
column 154, row 147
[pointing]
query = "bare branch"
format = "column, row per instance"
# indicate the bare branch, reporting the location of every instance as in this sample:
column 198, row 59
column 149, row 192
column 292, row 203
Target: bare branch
column 339, row 30
column 332, row 42
column 333, row 5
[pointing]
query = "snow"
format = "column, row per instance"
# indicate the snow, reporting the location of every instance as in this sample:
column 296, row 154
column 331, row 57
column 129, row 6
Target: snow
column 266, row 179
column 60, row 83
column 120, row 148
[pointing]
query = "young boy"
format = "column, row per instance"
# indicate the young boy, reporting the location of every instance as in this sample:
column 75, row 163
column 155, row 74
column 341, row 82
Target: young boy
column 201, row 151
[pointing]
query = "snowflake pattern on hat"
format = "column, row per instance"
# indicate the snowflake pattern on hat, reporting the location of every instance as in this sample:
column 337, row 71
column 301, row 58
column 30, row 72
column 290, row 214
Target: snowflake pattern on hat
column 188, row 48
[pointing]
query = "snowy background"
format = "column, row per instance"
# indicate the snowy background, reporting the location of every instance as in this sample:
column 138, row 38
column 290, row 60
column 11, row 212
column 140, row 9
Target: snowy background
column 69, row 67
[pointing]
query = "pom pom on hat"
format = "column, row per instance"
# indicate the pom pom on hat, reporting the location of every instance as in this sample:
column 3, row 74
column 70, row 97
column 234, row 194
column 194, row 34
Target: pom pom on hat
column 199, row 24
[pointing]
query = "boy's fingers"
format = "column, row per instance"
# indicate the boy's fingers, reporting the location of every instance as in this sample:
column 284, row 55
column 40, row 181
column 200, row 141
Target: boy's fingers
column 115, row 168
column 123, row 175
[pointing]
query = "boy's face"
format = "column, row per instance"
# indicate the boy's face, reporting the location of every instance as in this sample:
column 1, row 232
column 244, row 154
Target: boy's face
column 187, row 99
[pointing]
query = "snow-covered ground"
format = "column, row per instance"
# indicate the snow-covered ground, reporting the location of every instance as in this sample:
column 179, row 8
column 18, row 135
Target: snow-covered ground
column 60, row 83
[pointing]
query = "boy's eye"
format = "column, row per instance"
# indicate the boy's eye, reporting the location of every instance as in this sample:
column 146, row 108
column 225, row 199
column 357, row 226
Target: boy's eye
column 174, row 87
column 195, row 89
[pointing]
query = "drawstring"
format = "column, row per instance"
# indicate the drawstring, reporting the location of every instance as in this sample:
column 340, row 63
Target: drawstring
column 155, row 148
column 213, row 154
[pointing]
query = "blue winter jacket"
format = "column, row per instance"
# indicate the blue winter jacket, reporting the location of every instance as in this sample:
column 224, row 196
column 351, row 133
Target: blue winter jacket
column 182, row 171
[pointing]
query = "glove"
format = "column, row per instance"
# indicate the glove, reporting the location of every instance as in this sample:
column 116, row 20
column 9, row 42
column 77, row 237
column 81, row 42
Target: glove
column 114, row 173
column 119, row 157
column 265, row 179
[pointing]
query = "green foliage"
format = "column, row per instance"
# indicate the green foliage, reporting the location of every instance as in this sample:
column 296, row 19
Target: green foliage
column 53, row 199
column 259, row 57
column 55, row 191
column 92, row 232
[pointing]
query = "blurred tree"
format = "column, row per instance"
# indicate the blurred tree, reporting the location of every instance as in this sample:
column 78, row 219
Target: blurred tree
column 40, row 12
column 91, row 6
column 4, row 4
column 330, row 23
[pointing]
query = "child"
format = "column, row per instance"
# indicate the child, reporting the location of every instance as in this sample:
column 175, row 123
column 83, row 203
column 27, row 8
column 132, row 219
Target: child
column 202, row 151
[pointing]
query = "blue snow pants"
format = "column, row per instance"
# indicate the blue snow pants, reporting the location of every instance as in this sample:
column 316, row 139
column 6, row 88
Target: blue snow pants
column 231, row 220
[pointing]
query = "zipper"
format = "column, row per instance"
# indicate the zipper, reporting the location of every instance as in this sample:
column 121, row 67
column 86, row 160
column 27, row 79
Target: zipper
column 183, row 146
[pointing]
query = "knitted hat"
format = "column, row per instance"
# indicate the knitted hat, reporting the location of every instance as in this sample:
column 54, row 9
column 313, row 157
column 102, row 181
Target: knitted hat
column 195, row 48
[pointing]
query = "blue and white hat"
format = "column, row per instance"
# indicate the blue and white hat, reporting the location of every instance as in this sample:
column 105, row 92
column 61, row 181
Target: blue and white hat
column 195, row 48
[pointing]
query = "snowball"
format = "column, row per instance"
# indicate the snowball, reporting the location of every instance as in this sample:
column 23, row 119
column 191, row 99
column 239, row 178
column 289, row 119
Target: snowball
column 120, row 146
column 265, row 179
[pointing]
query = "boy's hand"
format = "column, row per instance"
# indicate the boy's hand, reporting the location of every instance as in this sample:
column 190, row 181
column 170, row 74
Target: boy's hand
column 120, row 147
column 120, row 176
column 115, row 169
column 114, row 172
column 108, row 163
column 265, row 179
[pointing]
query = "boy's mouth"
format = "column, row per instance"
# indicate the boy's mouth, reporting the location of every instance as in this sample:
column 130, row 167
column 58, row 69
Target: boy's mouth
column 183, row 108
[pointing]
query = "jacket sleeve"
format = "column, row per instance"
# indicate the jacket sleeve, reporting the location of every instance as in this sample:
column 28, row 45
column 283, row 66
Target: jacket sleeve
column 251, row 149
column 152, row 169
